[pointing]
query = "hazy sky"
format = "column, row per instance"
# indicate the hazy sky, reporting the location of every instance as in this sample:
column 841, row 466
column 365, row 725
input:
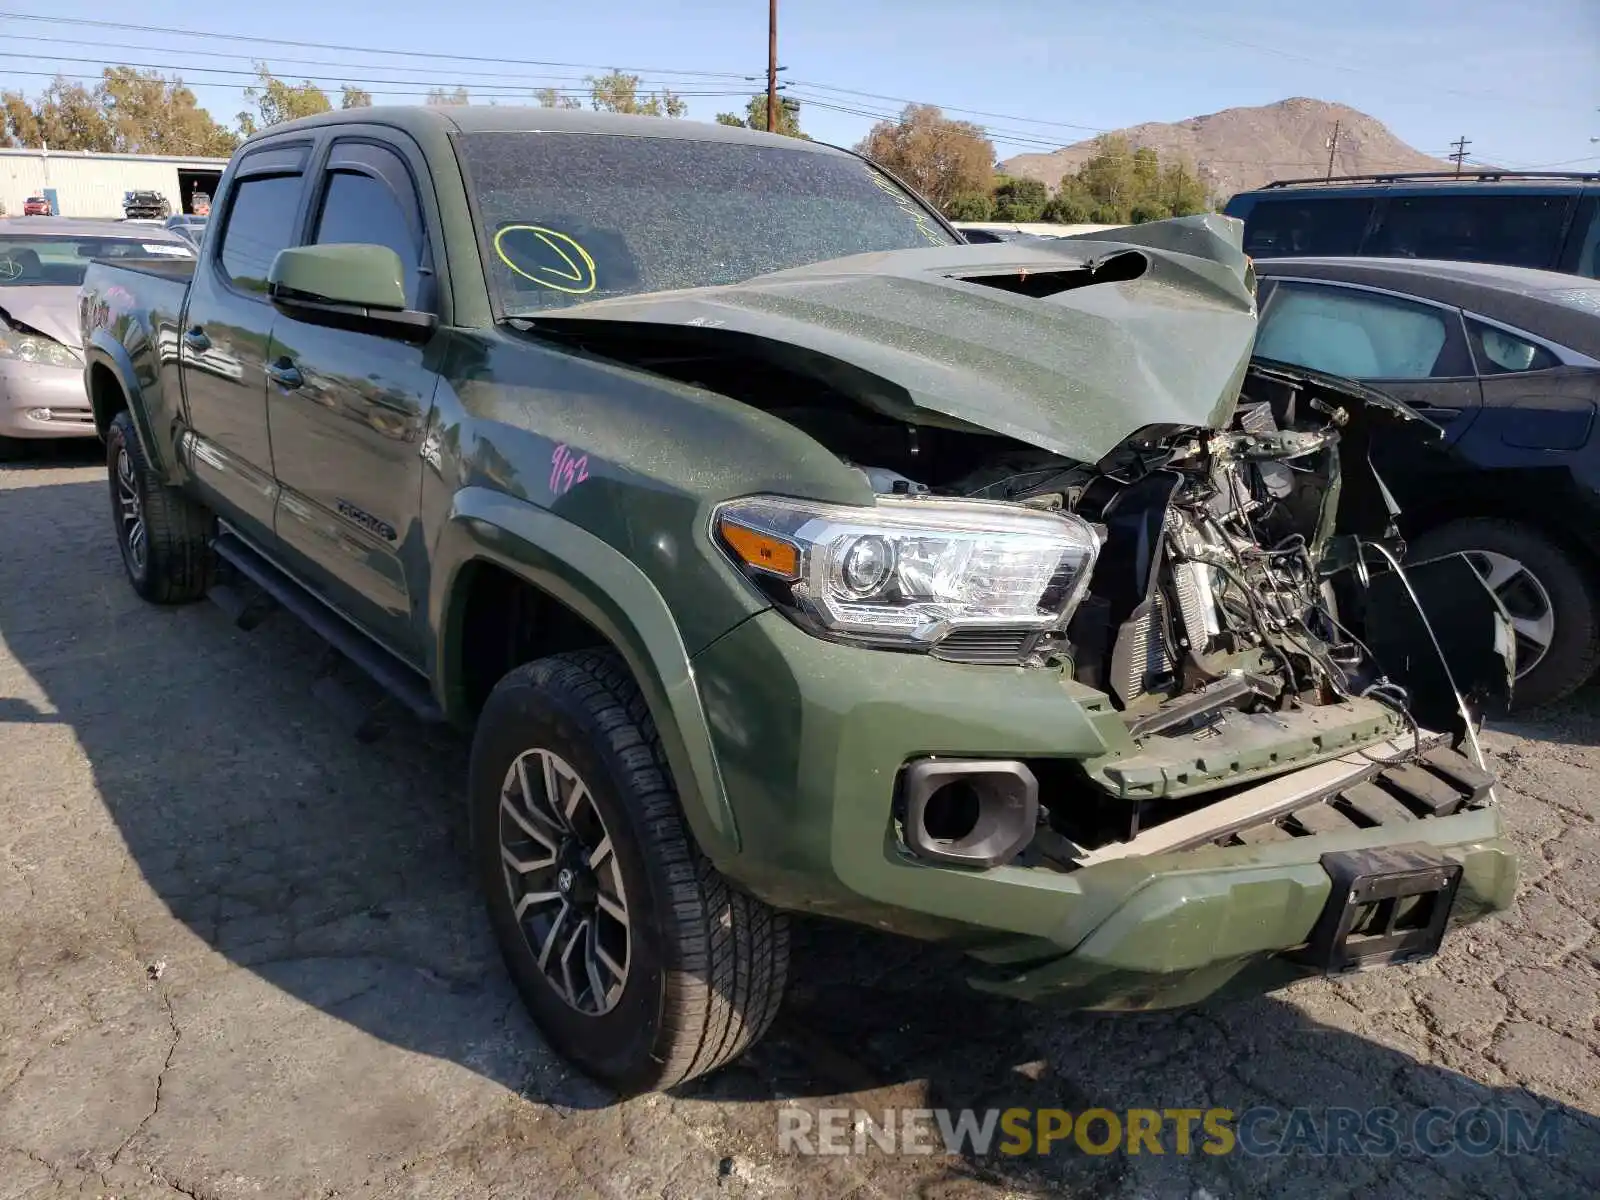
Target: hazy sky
column 1522, row 82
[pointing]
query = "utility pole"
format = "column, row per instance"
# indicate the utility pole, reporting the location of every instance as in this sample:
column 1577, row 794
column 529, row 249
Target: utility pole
column 1333, row 148
column 1459, row 155
column 772, row 66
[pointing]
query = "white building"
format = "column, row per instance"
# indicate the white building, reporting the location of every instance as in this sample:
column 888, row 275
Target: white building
column 83, row 183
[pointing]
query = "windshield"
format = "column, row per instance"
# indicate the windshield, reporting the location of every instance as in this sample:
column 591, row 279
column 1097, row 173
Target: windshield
column 62, row 261
column 567, row 218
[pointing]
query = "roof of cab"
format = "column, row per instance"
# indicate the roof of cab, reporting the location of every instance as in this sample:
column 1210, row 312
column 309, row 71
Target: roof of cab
column 498, row 118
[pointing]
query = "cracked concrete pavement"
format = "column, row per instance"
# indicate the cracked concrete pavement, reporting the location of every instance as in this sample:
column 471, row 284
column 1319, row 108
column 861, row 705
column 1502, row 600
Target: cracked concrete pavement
column 243, row 958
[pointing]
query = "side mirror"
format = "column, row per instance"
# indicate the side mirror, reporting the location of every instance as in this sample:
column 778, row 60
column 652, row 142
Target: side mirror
column 349, row 286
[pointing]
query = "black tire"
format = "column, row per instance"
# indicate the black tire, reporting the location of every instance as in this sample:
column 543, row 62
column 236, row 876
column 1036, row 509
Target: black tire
column 176, row 564
column 707, row 964
column 1573, row 652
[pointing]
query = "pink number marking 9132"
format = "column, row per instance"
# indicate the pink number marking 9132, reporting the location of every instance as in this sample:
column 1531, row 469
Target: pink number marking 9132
column 567, row 469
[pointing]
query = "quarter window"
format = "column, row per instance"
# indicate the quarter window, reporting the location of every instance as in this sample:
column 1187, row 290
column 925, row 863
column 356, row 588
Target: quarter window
column 1500, row 352
column 261, row 221
column 1355, row 334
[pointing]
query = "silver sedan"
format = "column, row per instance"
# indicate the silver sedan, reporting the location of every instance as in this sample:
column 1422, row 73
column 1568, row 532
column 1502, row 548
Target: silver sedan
column 42, row 262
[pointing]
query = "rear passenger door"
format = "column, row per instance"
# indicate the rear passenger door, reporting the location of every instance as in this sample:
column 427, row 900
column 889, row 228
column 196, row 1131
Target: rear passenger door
column 347, row 409
column 224, row 346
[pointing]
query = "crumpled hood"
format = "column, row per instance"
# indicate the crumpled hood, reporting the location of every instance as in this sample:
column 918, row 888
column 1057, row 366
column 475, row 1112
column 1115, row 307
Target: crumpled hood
column 1070, row 346
column 52, row 311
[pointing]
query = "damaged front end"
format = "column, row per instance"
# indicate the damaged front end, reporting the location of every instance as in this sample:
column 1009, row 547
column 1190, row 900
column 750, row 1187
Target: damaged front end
column 1222, row 585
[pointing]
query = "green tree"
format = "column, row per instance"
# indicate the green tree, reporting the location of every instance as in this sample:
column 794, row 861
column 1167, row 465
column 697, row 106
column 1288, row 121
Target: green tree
column 149, row 114
column 1069, row 206
column 548, row 97
column 1019, row 199
column 128, row 111
column 439, row 97
column 66, row 116
column 755, row 116
column 1182, row 190
column 277, row 101
column 619, row 92
column 938, row 157
column 354, row 97
column 971, row 206
column 1119, row 184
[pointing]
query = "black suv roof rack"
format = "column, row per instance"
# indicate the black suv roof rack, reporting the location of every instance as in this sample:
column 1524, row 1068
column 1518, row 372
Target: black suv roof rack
column 1479, row 176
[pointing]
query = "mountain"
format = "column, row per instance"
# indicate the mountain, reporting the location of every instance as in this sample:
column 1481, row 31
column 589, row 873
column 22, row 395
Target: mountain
column 1242, row 148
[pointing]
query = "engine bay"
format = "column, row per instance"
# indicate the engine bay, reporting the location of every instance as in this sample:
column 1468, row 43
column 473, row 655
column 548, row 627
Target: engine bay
column 1215, row 577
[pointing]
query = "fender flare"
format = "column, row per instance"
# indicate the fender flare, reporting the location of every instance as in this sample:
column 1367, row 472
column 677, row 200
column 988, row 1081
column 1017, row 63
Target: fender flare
column 602, row 586
column 103, row 350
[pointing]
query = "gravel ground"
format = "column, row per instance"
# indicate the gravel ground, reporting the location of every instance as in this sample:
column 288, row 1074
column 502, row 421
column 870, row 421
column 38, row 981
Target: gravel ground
column 243, row 958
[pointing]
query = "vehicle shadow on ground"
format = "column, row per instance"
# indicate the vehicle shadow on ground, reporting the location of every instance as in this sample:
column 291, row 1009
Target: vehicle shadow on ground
column 337, row 872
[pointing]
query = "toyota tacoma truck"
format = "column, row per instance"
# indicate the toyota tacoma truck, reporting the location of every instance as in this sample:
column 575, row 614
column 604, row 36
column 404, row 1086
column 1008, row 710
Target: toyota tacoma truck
column 785, row 554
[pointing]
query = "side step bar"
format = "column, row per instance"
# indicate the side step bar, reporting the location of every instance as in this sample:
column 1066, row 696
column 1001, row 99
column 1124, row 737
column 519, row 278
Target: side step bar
column 394, row 676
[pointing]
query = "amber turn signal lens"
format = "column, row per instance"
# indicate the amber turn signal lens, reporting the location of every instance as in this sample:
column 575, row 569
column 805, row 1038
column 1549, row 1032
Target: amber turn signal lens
column 760, row 550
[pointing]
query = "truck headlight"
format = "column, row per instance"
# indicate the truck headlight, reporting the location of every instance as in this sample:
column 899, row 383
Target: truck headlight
column 911, row 572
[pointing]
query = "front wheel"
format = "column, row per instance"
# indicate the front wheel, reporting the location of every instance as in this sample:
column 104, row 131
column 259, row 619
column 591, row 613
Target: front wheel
column 1547, row 592
column 635, row 957
column 164, row 537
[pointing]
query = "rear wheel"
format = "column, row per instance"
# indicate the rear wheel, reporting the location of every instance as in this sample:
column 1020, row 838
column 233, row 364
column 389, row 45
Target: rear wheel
column 164, row 537
column 636, row 958
column 1547, row 591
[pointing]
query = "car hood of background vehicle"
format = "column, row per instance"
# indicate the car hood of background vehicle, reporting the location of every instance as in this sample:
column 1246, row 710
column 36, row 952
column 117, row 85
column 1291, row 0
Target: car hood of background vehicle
column 1154, row 328
column 52, row 311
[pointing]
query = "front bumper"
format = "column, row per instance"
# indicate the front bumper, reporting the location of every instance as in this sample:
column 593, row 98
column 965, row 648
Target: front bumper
column 39, row 401
column 811, row 737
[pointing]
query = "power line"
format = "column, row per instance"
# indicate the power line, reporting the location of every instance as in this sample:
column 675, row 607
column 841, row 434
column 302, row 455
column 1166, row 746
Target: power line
column 428, row 54
column 1459, row 154
column 503, row 88
column 278, row 61
column 1332, row 65
column 239, row 87
column 975, row 112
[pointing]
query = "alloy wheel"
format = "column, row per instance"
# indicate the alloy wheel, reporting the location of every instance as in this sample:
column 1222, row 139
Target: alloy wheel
column 564, row 881
column 130, row 510
column 1526, row 601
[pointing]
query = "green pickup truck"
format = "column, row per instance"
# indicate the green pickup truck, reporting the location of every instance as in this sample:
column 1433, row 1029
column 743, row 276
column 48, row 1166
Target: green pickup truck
column 783, row 553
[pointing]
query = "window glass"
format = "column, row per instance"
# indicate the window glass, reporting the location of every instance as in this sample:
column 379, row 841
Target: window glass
column 261, row 222
column 1512, row 230
column 360, row 209
column 567, row 218
column 63, row 261
column 1306, row 225
column 1357, row 335
column 1500, row 352
column 1586, row 234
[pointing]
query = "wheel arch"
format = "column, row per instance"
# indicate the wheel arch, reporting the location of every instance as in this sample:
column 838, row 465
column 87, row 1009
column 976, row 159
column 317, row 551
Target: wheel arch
column 1469, row 498
column 489, row 536
column 112, row 385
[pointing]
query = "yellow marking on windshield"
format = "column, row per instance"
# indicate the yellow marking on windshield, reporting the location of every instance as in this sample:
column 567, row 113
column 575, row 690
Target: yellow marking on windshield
column 905, row 204
column 580, row 274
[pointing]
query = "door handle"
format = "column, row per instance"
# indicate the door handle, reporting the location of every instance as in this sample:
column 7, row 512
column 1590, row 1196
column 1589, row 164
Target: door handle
column 197, row 340
column 285, row 374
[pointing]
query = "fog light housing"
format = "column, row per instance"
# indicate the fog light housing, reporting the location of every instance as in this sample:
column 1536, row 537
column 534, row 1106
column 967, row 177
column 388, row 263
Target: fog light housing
column 972, row 812
column 41, row 414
